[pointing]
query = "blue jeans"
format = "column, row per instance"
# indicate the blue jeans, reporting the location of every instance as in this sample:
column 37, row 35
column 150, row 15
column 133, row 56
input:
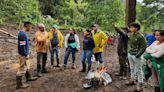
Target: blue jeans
column 98, row 57
column 67, row 53
column 86, row 54
column 56, row 51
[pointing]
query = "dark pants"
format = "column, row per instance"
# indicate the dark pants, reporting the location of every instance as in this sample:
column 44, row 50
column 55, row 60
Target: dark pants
column 41, row 58
column 123, row 65
column 98, row 57
column 56, row 51
column 67, row 53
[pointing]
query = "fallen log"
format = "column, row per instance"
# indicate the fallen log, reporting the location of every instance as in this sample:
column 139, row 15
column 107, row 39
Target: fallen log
column 11, row 35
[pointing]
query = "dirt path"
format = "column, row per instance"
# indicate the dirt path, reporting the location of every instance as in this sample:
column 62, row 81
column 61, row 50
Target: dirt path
column 57, row 81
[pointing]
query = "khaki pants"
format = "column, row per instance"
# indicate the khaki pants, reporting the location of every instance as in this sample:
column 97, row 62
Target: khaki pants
column 24, row 64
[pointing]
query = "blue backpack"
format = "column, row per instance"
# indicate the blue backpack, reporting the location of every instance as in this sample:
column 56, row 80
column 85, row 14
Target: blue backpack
column 54, row 41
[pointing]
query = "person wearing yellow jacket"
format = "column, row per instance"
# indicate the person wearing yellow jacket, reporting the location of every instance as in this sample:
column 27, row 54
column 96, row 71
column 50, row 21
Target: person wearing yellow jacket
column 56, row 40
column 100, row 39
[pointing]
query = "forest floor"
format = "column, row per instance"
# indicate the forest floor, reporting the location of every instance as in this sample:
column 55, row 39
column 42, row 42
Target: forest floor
column 68, row 80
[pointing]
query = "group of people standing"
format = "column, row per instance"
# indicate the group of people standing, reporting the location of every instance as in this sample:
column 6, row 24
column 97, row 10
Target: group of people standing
column 94, row 42
column 133, row 50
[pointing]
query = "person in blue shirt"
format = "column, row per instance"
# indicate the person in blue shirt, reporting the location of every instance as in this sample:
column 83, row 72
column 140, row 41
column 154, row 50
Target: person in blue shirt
column 23, row 51
column 150, row 38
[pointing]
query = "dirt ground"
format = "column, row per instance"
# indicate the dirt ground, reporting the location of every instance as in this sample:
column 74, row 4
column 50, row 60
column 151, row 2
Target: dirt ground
column 68, row 80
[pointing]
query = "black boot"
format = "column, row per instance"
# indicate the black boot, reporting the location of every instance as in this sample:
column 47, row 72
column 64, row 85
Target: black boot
column 57, row 63
column 125, row 71
column 19, row 83
column 29, row 77
column 156, row 89
column 120, row 72
column 83, row 68
column 52, row 62
column 44, row 70
column 89, row 67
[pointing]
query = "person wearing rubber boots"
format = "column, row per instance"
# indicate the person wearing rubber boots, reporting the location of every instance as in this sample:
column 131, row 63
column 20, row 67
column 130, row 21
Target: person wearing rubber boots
column 88, row 45
column 42, row 47
column 122, row 50
column 56, row 40
column 100, row 39
column 23, row 50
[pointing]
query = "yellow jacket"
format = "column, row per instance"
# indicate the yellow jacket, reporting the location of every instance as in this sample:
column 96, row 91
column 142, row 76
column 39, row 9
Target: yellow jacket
column 100, row 39
column 60, row 37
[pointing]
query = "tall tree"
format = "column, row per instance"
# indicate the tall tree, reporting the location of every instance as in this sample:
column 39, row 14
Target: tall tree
column 130, row 11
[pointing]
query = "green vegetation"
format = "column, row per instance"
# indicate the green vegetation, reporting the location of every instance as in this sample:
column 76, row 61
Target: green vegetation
column 80, row 13
column 151, row 14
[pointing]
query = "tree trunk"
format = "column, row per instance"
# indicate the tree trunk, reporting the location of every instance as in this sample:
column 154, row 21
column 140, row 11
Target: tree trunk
column 130, row 12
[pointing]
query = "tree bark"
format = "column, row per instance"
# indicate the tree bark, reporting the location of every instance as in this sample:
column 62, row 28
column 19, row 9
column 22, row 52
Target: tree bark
column 130, row 12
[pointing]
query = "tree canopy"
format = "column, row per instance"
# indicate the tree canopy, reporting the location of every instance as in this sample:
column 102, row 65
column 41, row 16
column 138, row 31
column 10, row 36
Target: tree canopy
column 81, row 13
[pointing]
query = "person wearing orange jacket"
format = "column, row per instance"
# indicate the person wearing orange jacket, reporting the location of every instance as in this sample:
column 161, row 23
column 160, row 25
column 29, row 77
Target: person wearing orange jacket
column 42, row 47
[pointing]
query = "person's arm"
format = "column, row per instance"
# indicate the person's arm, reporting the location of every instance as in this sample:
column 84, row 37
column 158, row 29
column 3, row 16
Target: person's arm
column 66, row 41
column 150, row 48
column 78, row 42
column 61, row 39
column 119, row 30
column 159, row 53
column 92, row 42
column 104, row 39
column 47, row 39
column 50, row 35
column 142, row 47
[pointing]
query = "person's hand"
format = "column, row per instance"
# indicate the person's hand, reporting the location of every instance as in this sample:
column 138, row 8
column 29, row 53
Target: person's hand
column 100, row 46
column 150, row 64
column 59, row 46
column 77, row 50
column 137, row 56
column 66, row 49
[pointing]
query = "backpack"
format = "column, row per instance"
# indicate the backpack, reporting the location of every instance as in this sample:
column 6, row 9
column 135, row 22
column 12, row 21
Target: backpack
column 54, row 41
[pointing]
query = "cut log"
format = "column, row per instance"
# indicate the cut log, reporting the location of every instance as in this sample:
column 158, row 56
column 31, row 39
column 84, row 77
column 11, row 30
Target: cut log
column 11, row 35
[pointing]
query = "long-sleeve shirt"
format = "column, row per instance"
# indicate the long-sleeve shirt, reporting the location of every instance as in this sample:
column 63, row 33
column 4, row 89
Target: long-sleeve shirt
column 60, row 37
column 136, row 44
column 42, row 41
column 100, row 39
column 156, row 50
column 122, row 41
column 88, row 43
column 76, row 40
column 23, row 44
